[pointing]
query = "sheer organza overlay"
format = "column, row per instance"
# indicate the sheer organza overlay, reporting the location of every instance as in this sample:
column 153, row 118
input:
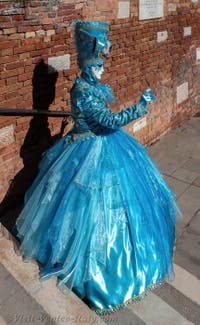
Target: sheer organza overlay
column 101, row 218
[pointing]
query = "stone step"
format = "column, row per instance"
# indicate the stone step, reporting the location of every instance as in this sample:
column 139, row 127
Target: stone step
column 25, row 298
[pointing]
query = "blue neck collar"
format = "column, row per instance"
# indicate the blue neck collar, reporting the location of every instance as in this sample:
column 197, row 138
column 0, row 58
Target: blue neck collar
column 88, row 76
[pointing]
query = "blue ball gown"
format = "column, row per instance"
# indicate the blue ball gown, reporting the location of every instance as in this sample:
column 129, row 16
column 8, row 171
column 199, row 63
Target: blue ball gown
column 99, row 216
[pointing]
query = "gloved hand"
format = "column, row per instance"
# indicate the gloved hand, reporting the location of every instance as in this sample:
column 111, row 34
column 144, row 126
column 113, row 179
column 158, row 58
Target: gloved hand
column 147, row 96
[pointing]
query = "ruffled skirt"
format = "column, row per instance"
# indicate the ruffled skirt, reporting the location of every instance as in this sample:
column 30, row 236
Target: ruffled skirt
column 100, row 217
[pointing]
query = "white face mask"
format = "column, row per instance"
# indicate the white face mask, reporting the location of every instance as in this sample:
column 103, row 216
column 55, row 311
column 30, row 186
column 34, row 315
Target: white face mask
column 97, row 71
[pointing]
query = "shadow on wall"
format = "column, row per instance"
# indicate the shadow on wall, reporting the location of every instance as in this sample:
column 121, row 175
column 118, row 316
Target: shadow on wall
column 37, row 140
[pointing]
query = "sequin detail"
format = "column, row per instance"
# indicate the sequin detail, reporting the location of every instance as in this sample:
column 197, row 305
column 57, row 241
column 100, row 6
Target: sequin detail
column 79, row 136
column 141, row 296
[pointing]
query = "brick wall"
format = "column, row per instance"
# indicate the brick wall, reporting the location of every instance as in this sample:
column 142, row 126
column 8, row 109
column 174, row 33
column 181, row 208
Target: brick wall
column 38, row 66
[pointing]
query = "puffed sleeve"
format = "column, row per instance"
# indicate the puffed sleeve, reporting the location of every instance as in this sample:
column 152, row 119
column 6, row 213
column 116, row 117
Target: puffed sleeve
column 96, row 111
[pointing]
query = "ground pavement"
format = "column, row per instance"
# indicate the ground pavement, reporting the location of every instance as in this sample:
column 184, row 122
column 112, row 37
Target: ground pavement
column 23, row 299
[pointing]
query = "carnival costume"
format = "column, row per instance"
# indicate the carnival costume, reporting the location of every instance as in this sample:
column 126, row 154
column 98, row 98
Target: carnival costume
column 99, row 215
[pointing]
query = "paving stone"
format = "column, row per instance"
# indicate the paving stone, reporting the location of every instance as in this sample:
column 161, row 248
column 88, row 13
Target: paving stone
column 197, row 154
column 185, row 175
column 59, row 308
column 193, row 122
column 16, row 305
column 123, row 317
column 175, row 147
column 171, row 161
column 167, row 167
column 163, row 146
column 192, row 164
column 185, row 256
column 155, row 311
column 10, row 287
column 177, row 186
column 2, row 321
column 174, row 297
column 189, row 202
column 180, row 228
column 196, row 182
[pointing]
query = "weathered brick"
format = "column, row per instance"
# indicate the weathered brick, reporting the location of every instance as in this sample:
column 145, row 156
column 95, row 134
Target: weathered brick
column 10, row 73
column 24, row 49
column 17, row 17
column 11, row 80
column 8, row 31
column 17, row 36
column 29, row 34
column 48, row 27
column 7, row 59
column 50, row 32
column 35, row 3
column 40, row 32
column 52, row 15
column 6, row 45
column 7, row 136
column 68, row 2
column 47, row 39
column 6, row 25
column 47, row 21
column 24, row 56
column 14, row 65
column 6, row 52
column 27, row 28
column 2, row 82
column 5, row 18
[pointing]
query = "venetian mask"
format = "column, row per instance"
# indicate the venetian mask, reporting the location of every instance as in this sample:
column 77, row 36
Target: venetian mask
column 98, row 71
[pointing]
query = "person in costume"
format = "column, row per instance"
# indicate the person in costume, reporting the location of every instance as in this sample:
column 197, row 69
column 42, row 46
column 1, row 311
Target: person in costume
column 99, row 215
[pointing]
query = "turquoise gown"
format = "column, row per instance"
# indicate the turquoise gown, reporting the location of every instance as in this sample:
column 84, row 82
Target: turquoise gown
column 99, row 215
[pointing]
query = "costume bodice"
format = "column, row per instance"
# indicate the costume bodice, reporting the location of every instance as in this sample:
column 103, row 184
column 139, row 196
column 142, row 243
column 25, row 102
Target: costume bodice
column 90, row 107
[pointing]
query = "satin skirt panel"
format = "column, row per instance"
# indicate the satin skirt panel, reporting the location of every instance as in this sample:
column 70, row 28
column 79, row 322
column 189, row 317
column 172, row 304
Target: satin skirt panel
column 101, row 218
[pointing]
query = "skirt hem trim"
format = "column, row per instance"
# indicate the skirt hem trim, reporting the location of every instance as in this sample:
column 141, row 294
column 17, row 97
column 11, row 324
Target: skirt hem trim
column 139, row 297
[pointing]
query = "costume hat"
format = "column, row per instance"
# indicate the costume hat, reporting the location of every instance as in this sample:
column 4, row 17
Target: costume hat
column 92, row 42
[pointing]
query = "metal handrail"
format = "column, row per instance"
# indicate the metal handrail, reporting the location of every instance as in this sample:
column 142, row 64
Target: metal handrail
column 32, row 112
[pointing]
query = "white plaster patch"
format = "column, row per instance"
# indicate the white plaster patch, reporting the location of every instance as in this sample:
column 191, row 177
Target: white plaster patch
column 149, row 9
column 198, row 53
column 40, row 32
column 194, row 0
column 187, row 31
column 182, row 93
column 59, row 62
column 162, row 36
column 7, row 135
column 13, row 11
column 140, row 124
column 172, row 7
column 123, row 9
